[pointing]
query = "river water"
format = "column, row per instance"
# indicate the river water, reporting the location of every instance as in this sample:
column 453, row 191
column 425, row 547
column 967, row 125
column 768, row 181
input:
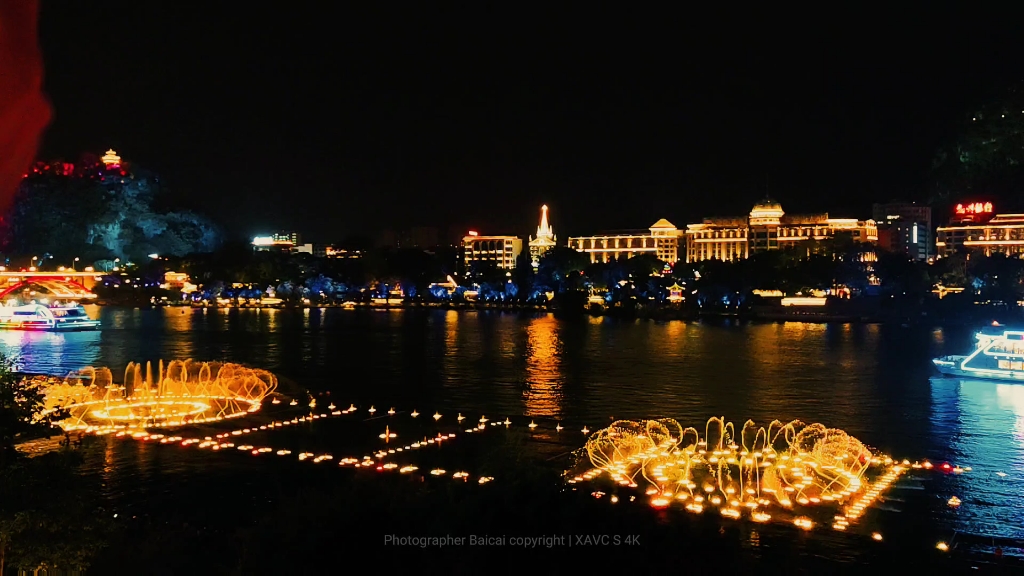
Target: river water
column 873, row 381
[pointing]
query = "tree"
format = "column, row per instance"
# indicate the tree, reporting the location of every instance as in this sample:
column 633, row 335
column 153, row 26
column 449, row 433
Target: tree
column 97, row 212
column 48, row 516
column 49, row 513
column 21, row 404
column 950, row 271
column 52, row 213
column 987, row 154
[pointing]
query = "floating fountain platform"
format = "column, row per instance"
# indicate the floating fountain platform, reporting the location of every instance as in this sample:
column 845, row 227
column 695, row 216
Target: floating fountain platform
column 785, row 469
column 182, row 392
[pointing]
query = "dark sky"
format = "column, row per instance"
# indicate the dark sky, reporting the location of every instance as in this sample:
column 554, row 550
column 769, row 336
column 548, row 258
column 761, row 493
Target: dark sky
column 335, row 123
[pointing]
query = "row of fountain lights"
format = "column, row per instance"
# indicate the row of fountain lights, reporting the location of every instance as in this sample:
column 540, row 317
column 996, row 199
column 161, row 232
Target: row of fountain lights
column 221, row 441
column 660, row 499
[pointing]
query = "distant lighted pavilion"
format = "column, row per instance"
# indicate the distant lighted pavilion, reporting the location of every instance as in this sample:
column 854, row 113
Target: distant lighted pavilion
column 111, row 159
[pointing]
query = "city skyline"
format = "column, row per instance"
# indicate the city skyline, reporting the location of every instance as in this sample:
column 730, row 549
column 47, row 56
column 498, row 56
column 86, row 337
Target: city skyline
column 277, row 283
column 378, row 135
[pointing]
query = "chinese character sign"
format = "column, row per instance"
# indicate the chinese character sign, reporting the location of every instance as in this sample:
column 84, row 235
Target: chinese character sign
column 974, row 208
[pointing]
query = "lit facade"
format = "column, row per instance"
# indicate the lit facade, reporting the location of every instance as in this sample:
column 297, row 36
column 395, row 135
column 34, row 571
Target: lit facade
column 178, row 281
column 905, row 237
column 767, row 227
column 901, row 222
column 545, row 239
column 284, row 241
column 332, row 252
column 502, row 251
column 660, row 240
column 316, row 250
column 1002, row 233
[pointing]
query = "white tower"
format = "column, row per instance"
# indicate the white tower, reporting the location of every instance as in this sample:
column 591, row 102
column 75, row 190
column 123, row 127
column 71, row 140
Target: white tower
column 545, row 239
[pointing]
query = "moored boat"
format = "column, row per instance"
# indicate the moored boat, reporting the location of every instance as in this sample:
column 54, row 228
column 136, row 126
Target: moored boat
column 60, row 318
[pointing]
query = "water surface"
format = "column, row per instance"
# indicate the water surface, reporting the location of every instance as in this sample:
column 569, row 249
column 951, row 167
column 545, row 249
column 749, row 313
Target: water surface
column 876, row 382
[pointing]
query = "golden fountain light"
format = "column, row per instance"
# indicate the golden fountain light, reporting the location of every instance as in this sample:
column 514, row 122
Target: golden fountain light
column 180, row 393
column 792, row 467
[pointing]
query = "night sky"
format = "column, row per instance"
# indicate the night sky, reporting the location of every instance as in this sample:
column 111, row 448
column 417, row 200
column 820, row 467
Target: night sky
column 333, row 124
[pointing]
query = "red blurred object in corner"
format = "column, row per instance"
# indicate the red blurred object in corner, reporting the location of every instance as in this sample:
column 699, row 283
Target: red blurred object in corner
column 24, row 110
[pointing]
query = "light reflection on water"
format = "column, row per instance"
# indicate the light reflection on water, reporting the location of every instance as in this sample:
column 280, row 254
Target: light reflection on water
column 981, row 422
column 873, row 381
column 543, row 373
column 51, row 352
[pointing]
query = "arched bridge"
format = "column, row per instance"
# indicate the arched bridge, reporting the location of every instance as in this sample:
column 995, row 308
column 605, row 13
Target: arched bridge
column 67, row 285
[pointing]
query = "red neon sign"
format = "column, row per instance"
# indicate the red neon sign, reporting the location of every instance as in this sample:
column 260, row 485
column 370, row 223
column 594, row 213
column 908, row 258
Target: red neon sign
column 975, row 208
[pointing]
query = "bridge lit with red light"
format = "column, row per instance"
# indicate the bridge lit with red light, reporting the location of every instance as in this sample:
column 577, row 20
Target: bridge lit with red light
column 63, row 285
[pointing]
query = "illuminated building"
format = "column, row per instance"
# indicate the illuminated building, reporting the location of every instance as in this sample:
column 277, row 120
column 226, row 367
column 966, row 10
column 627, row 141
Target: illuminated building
column 316, row 250
column 283, row 241
column 904, row 227
column 332, row 252
column 178, row 281
column 905, row 237
column 502, row 251
column 545, row 239
column 767, row 227
column 675, row 293
column 660, row 240
column 111, row 159
column 974, row 227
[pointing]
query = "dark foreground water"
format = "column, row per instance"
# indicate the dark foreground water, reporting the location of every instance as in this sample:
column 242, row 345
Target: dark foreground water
column 874, row 381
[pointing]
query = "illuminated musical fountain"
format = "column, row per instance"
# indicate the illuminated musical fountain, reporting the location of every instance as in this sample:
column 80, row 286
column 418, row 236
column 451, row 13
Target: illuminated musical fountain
column 786, row 467
column 183, row 392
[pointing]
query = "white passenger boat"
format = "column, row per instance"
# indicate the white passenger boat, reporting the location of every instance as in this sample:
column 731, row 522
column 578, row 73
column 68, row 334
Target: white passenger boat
column 64, row 317
column 998, row 355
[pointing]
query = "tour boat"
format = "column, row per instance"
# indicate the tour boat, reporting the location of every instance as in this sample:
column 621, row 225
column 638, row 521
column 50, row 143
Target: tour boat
column 998, row 356
column 53, row 318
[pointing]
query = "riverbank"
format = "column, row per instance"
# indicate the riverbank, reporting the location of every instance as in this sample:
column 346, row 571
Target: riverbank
column 856, row 311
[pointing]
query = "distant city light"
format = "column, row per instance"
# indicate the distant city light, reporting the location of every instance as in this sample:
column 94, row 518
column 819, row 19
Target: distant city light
column 474, row 233
column 154, row 256
column 803, row 301
column 281, row 240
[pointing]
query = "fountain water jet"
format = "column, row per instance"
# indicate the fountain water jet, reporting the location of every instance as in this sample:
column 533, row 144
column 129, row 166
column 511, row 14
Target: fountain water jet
column 785, row 465
column 185, row 392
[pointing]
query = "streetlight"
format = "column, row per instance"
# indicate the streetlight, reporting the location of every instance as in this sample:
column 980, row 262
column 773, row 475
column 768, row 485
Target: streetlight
column 73, row 264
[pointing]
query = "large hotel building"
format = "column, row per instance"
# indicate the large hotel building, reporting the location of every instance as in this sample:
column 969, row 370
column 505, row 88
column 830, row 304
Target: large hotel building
column 502, row 251
column 767, row 227
column 974, row 227
column 660, row 240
